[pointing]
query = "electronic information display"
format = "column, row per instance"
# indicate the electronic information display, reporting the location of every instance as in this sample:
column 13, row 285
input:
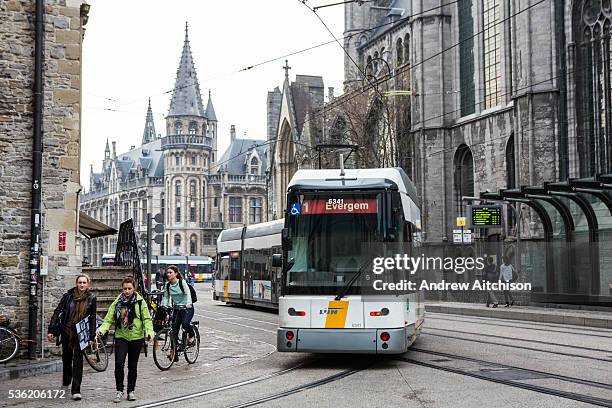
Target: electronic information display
column 485, row 216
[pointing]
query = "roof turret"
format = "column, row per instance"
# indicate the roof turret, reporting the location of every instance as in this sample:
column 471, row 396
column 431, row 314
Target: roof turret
column 149, row 130
column 186, row 96
column 210, row 110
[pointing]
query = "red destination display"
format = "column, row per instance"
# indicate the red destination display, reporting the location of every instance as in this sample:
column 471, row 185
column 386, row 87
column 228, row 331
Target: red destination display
column 340, row 206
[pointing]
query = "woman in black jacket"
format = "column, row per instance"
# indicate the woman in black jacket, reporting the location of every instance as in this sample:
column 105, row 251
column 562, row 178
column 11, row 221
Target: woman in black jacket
column 76, row 304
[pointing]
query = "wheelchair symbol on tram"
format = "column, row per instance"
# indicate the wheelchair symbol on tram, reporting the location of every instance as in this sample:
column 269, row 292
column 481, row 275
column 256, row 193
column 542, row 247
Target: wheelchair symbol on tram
column 296, row 209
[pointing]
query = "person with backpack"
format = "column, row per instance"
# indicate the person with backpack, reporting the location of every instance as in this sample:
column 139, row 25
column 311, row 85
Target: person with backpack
column 130, row 314
column 178, row 293
column 75, row 305
column 507, row 275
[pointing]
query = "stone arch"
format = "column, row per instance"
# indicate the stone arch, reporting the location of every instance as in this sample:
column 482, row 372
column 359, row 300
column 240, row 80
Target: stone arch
column 463, row 175
column 399, row 51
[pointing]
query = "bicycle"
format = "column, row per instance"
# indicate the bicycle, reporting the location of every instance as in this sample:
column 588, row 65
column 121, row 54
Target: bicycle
column 166, row 344
column 10, row 342
column 97, row 354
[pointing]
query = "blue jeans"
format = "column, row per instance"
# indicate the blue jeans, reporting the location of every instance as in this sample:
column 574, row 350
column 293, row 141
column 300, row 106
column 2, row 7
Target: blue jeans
column 183, row 318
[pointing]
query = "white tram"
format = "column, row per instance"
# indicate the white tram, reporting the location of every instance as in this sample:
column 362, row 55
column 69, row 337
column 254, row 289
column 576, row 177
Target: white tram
column 331, row 217
column 245, row 272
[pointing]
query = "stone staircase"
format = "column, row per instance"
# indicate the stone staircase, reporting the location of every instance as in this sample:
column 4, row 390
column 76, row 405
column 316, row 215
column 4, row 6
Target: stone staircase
column 106, row 284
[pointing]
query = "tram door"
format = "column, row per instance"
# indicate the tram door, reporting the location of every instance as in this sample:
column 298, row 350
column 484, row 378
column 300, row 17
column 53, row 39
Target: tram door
column 275, row 274
column 247, row 273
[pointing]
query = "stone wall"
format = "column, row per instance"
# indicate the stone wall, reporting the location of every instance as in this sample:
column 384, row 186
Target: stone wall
column 61, row 150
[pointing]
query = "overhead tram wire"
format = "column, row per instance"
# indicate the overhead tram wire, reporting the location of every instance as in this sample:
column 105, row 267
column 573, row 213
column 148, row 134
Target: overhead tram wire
column 358, row 93
column 294, row 52
column 391, row 75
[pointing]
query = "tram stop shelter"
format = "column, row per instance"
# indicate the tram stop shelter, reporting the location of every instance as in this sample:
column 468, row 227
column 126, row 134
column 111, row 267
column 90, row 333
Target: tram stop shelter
column 568, row 255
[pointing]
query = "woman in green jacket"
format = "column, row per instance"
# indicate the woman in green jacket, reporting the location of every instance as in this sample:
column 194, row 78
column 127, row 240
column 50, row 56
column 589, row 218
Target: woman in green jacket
column 130, row 314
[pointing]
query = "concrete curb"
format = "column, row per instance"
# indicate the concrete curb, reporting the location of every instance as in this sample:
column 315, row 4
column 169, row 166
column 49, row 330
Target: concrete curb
column 544, row 316
column 30, row 369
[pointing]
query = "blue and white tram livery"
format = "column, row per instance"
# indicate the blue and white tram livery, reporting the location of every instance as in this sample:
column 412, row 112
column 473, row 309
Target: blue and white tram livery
column 245, row 271
column 332, row 216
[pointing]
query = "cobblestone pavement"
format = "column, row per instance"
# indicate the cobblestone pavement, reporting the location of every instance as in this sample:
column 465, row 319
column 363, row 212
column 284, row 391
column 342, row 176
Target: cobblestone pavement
column 219, row 350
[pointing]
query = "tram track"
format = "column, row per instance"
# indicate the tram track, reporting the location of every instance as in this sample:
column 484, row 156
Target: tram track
column 491, row 373
column 521, row 339
column 309, row 385
column 475, row 319
column 300, row 388
column 526, row 370
column 607, row 360
column 231, row 386
column 578, row 333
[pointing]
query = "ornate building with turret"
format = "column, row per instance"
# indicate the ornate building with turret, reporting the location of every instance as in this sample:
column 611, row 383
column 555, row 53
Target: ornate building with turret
column 180, row 176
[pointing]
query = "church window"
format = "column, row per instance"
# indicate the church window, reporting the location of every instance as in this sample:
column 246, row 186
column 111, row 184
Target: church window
column 464, row 175
column 192, row 191
column 399, row 52
column 193, row 128
column 466, row 57
column 192, row 214
column 235, row 209
column 177, row 160
column 178, row 128
column 375, row 67
column 492, row 50
column 369, row 65
column 592, row 24
column 126, row 211
column 407, row 48
column 177, row 215
column 178, row 190
column 255, row 210
column 193, row 160
column 510, row 174
column 177, row 240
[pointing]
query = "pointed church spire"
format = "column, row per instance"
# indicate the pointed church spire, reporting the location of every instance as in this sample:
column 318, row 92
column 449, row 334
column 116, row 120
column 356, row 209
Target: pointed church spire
column 107, row 150
column 210, row 110
column 186, row 96
column 149, row 130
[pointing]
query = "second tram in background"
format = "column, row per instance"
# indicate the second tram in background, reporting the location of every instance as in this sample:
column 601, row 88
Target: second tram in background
column 245, row 272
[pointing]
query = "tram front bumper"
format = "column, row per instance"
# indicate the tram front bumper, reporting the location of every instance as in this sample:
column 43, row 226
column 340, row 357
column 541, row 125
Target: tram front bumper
column 367, row 341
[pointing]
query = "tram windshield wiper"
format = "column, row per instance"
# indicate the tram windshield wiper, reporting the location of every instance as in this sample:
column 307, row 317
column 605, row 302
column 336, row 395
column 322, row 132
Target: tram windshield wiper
column 350, row 283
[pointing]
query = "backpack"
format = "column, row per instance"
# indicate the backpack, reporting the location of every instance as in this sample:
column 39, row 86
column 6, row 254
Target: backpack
column 194, row 296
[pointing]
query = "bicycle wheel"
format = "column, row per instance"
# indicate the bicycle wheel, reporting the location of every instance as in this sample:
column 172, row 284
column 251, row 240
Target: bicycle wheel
column 164, row 349
column 97, row 356
column 8, row 345
column 192, row 352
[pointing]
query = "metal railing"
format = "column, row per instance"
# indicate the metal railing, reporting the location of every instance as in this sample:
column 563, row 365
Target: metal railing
column 186, row 139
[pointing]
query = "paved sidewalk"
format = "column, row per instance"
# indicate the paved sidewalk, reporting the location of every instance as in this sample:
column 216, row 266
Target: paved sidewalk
column 218, row 350
column 529, row 313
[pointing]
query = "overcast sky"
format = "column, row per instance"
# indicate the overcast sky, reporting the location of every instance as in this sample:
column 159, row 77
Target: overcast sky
column 132, row 50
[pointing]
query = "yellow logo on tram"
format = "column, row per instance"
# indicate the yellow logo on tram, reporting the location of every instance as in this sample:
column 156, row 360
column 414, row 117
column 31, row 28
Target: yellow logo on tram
column 337, row 319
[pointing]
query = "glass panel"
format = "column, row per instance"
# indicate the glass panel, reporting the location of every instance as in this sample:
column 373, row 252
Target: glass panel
column 327, row 238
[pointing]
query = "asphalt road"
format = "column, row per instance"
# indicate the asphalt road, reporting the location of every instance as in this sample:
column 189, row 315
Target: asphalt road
column 458, row 361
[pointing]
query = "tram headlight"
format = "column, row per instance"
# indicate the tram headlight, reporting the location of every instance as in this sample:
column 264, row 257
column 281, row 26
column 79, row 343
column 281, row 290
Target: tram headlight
column 384, row 336
column 289, row 335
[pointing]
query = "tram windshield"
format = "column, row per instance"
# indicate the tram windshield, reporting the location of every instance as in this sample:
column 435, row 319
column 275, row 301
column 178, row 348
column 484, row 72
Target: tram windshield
column 330, row 236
